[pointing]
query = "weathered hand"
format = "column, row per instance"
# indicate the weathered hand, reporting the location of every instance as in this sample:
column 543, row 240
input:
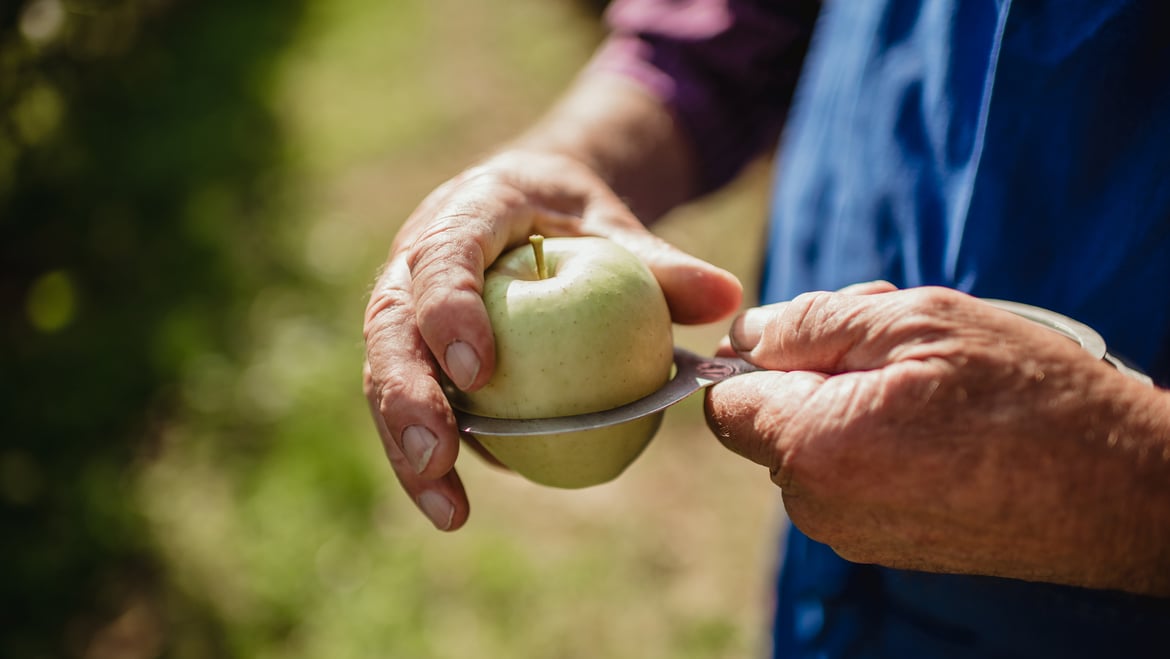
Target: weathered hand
column 426, row 313
column 925, row 429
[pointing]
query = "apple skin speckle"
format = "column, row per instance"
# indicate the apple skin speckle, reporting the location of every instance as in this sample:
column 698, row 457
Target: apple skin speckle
column 601, row 318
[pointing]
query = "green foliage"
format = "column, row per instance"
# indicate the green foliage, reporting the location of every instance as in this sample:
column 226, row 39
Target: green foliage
column 137, row 155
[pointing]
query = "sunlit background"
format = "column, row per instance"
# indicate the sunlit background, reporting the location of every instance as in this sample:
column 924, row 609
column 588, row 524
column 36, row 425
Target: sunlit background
column 194, row 197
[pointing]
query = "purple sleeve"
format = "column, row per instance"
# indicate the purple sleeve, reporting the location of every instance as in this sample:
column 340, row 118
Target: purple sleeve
column 726, row 68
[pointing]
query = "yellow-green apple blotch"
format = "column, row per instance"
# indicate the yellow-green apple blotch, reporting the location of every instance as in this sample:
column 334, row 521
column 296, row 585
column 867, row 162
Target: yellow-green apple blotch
column 592, row 334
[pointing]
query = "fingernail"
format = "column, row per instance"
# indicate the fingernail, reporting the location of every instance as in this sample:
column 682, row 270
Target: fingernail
column 437, row 509
column 462, row 364
column 418, row 444
column 747, row 330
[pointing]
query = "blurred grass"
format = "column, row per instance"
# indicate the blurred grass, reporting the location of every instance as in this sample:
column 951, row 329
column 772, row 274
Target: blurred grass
column 298, row 538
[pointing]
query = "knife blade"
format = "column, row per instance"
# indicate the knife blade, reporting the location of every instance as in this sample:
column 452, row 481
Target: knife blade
column 692, row 373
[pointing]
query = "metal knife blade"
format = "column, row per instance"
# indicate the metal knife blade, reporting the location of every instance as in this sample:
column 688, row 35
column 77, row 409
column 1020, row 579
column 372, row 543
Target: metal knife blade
column 692, row 373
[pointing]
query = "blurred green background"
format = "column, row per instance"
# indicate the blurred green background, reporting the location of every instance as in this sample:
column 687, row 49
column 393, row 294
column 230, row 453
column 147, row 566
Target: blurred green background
column 194, row 197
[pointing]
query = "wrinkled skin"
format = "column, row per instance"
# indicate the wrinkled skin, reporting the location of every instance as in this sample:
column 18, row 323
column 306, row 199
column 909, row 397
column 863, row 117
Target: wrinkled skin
column 426, row 314
column 925, row 429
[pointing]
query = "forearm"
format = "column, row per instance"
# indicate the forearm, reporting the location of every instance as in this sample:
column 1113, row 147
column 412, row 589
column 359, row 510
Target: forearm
column 681, row 96
column 1079, row 493
column 626, row 135
column 1073, row 485
column 1130, row 486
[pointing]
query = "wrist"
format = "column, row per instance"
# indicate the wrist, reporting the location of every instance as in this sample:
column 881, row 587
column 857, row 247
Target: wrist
column 1132, row 483
column 623, row 134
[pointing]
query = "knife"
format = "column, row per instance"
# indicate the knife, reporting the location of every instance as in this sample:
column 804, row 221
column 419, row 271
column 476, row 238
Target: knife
column 692, row 373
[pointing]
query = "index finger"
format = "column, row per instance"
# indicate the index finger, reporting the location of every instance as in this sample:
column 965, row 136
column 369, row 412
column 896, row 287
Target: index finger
column 838, row 332
column 446, row 261
column 406, row 398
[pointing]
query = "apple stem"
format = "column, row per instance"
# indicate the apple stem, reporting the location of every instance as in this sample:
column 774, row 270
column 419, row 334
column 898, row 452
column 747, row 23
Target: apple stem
column 537, row 242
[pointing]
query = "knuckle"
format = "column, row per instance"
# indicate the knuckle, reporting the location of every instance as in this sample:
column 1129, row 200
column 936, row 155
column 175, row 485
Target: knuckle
column 430, row 308
column 448, row 252
column 806, row 310
column 939, row 294
column 812, row 301
column 931, row 315
column 390, row 394
column 400, row 464
column 447, row 273
column 485, row 197
column 446, row 307
column 387, row 304
column 933, row 300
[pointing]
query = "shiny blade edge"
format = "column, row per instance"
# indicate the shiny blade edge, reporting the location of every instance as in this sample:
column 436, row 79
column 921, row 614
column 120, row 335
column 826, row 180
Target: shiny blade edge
column 692, row 373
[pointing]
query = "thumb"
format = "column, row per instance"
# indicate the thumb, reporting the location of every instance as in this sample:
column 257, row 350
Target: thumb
column 758, row 415
column 813, row 331
column 838, row 332
column 804, row 321
column 696, row 291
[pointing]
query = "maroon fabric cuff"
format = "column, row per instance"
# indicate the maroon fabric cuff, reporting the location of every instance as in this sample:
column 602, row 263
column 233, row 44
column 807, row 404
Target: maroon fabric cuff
column 726, row 69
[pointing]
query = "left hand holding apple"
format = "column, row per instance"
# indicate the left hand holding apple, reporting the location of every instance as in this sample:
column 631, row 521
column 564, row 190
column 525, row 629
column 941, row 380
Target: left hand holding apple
column 925, row 429
column 426, row 315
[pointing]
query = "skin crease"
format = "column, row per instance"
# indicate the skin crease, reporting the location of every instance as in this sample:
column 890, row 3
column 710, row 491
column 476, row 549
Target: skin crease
column 924, row 429
column 917, row 429
column 428, row 296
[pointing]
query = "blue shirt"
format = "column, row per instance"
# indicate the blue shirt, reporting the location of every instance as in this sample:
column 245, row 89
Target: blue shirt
column 1016, row 150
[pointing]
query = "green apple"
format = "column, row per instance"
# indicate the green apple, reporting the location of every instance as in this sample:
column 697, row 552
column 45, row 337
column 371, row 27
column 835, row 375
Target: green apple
column 580, row 325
